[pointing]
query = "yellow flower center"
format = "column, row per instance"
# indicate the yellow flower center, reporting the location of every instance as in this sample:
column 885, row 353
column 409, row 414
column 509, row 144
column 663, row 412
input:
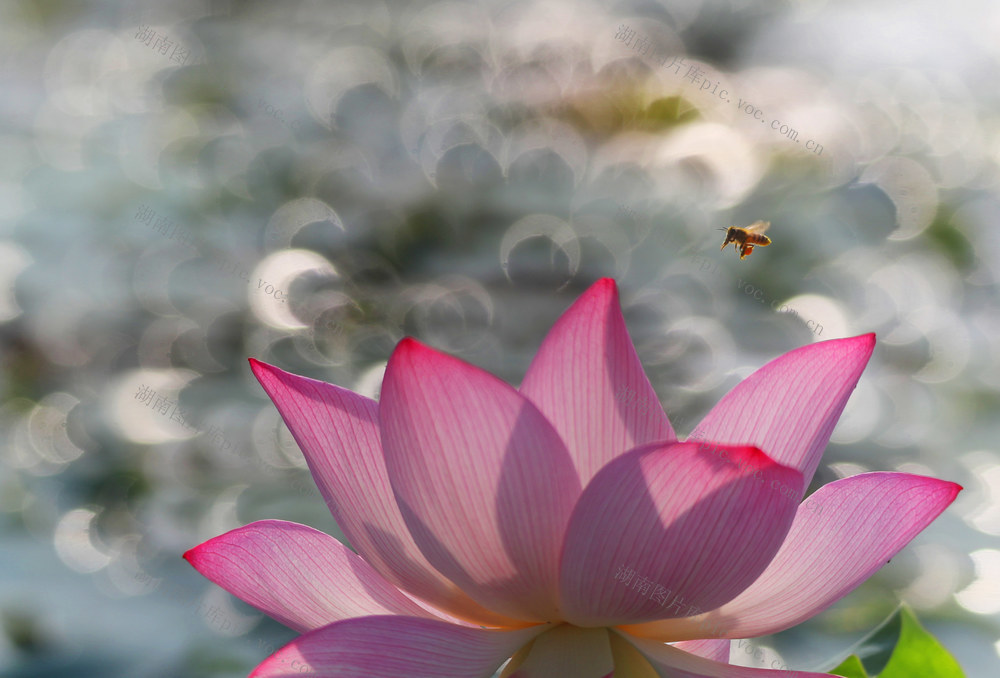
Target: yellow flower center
column 580, row 652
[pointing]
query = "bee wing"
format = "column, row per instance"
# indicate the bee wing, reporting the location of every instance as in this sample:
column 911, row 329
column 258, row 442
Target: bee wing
column 758, row 227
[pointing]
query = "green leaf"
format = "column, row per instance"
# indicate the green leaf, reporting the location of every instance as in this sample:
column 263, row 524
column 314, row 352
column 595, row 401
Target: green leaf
column 918, row 653
column 850, row 668
column 899, row 648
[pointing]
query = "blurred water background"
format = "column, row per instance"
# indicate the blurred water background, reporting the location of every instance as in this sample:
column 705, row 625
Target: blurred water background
column 186, row 184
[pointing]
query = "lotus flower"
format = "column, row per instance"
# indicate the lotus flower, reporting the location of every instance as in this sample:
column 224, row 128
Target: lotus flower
column 559, row 525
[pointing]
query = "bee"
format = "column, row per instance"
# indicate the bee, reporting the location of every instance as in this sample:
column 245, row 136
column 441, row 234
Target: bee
column 745, row 239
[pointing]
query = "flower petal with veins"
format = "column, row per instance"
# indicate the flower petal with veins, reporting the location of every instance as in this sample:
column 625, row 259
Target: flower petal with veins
column 850, row 528
column 338, row 433
column 790, row 406
column 484, row 482
column 390, row 647
column 579, row 375
column 670, row 662
column 261, row 563
column 701, row 524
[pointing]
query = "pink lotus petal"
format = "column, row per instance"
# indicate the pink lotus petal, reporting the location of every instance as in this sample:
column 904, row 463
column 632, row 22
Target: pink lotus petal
column 338, row 433
column 788, row 408
column 565, row 651
column 699, row 522
column 587, row 380
column 483, row 480
column 842, row 534
column 716, row 649
column 670, row 662
column 303, row 578
column 390, row 647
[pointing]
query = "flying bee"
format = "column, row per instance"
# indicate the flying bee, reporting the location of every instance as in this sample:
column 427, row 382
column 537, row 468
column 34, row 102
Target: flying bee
column 745, row 239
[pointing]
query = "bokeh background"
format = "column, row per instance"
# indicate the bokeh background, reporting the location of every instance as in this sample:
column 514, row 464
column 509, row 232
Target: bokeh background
column 186, row 184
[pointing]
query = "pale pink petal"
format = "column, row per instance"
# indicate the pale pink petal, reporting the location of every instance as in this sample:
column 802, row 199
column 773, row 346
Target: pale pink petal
column 484, row 482
column 842, row 534
column 390, row 647
column 565, row 651
column 338, row 433
column 587, row 380
column 696, row 523
column 788, row 408
column 670, row 662
column 716, row 649
column 300, row 576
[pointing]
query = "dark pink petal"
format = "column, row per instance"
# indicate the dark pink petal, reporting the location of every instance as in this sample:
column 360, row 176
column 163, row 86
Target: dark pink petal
column 484, row 482
column 716, row 649
column 670, row 662
column 390, row 647
column 338, row 433
column 788, row 408
column 587, row 380
column 297, row 575
column 670, row 530
column 842, row 534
